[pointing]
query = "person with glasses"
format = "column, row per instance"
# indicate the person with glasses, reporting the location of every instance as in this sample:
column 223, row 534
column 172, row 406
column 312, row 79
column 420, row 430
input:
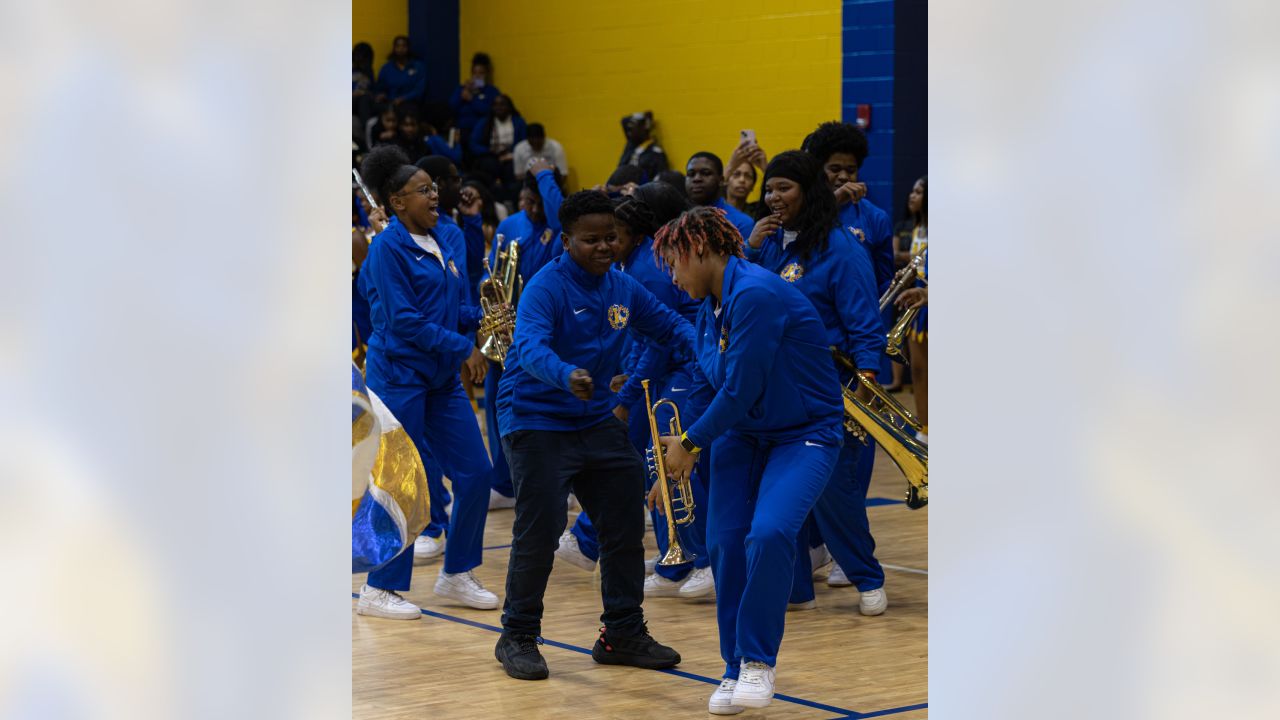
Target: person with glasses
column 415, row 281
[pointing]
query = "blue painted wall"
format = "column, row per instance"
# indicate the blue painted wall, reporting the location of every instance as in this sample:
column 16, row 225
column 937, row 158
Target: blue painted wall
column 433, row 35
column 884, row 65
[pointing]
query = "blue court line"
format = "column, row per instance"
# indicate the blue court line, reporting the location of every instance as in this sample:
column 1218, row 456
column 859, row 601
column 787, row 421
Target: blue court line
column 874, row 502
column 496, row 547
column 843, row 712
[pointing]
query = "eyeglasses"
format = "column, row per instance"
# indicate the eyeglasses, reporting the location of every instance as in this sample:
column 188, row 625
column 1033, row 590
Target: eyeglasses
column 425, row 190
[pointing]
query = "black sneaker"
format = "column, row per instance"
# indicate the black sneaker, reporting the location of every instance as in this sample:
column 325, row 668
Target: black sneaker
column 520, row 657
column 639, row 650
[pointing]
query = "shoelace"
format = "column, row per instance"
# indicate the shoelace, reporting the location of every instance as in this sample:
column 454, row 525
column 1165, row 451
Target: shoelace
column 528, row 643
column 727, row 684
column 753, row 673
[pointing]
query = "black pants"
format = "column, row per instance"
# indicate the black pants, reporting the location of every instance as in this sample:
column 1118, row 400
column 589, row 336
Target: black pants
column 601, row 467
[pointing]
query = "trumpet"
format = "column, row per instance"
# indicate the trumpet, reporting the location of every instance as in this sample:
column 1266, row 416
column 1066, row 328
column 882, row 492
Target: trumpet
column 498, row 295
column 677, row 495
column 900, row 280
column 898, row 333
column 889, row 424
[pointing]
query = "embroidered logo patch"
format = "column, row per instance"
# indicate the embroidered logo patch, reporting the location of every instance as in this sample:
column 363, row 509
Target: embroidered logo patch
column 618, row 315
column 724, row 338
column 546, row 236
column 454, row 269
column 792, row 272
column 857, row 232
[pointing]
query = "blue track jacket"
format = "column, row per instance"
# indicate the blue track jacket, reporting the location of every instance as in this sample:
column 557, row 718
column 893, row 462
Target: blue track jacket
column 569, row 319
column 765, row 353
column 840, row 283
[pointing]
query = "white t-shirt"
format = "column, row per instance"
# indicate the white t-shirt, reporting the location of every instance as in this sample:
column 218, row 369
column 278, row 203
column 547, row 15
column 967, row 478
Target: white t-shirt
column 503, row 137
column 788, row 237
column 428, row 243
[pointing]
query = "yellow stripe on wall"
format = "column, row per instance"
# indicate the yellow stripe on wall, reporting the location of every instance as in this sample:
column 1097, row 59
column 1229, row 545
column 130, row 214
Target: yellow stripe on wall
column 706, row 68
column 378, row 22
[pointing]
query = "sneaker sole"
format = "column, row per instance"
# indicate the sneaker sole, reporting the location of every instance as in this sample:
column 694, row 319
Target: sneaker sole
column 516, row 674
column 612, row 660
column 697, row 593
column 487, row 605
column 873, row 611
column 753, row 702
column 725, row 709
column 581, row 564
column 373, row 612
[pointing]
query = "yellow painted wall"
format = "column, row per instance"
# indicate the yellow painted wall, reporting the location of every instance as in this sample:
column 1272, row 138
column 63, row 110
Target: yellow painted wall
column 707, row 69
column 378, row 22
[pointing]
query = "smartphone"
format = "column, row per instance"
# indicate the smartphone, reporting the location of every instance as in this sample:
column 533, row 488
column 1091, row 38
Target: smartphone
column 748, row 137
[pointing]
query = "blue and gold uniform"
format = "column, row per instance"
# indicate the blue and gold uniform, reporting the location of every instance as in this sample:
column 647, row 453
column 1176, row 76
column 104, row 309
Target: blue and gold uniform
column 670, row 373
column 539, row 244
column 567, row 319
column 774, row 429
column 418, row 305
column 839, row 281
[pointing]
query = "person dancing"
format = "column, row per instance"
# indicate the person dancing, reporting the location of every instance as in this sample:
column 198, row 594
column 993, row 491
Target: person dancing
column 559, row 433
column 774, row 429
column 415, row 282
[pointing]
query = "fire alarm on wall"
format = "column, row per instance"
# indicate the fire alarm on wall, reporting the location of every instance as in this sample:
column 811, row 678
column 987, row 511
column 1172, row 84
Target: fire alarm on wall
column 864, row 117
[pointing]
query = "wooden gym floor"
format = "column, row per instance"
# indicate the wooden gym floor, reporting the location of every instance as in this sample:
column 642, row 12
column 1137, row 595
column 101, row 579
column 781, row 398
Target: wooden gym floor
column 833, row 662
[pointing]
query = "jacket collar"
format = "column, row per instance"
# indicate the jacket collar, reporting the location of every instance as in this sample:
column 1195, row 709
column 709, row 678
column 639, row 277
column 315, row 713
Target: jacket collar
column 575, row 272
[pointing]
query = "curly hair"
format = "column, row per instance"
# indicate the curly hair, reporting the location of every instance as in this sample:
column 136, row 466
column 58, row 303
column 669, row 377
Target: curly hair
column 650, row 207
column 386, row 169
column 707, row 224
column 836, row 137
column 583, row 202
column 818, row 214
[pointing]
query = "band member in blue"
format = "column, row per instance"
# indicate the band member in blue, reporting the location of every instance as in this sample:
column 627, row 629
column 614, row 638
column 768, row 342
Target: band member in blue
column 774, row 429
column 670, row 373
column 415, row 282
column 537, row 230
column 555, row 411
column 803, row 243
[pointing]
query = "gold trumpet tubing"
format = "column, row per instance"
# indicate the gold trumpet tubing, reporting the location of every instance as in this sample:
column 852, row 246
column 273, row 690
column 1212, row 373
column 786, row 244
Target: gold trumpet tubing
column 675, row 554
column 681, row 490
column 890, row 405
column 898, row 334
column 900, row 280
column 911, row 457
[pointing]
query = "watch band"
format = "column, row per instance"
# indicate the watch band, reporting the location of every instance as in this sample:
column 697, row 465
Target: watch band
column 688, row 445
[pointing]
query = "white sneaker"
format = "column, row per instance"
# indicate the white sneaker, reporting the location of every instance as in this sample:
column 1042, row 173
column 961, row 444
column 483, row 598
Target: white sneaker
column 386, row 604
column 572, row 554
column 426, row 549
column 755, row 685
column 806, row 605
column 699, row 583
column 651, row 564
column 837, row 578
column 819, row 558
column 657, row 586
column 873, row 602
column 721, row 702
column 923, row 437
column 498, row 501
column 466, row 589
